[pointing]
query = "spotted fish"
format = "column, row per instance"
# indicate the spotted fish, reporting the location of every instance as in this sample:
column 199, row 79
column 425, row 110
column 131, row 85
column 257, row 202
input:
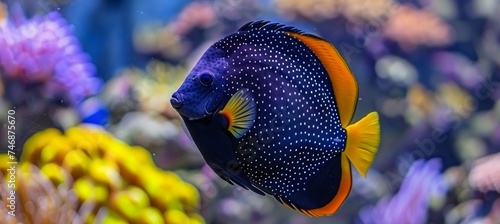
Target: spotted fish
column 270, row 108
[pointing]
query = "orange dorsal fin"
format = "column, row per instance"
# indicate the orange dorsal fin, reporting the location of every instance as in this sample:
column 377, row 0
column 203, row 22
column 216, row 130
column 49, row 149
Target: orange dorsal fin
column 343, row 81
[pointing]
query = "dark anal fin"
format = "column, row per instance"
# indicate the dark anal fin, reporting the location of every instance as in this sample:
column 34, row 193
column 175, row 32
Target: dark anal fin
column 342, row 193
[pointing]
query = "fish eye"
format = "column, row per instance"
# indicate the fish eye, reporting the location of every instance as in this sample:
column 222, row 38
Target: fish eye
column 206, row 79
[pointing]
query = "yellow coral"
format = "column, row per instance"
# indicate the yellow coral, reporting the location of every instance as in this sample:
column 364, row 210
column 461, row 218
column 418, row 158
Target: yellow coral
column 108, row 181
column 151, row 215
column 77, row 163
column 87, row 191
column 55, row 173
column 34, row 145
column 5, row 164
column 455, row 98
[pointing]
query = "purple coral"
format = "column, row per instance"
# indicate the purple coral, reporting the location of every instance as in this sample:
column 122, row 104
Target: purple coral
column 458, row 68
column 44, row 50
column 411, row 203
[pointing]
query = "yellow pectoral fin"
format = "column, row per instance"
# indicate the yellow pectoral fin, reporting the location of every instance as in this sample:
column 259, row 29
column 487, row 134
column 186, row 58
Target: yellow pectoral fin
column 363, row 139
column 240, row 112
column 342, row 193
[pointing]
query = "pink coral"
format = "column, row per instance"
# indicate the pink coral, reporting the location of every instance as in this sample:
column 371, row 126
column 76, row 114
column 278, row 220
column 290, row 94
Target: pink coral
column 354, row 10
column 411, row 27
column 196, row 14
column 484, row 174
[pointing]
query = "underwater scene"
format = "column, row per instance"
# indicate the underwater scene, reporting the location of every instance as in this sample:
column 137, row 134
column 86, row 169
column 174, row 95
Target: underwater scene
column 250, row 111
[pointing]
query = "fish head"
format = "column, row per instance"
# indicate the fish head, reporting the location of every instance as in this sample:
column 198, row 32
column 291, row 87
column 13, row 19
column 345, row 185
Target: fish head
column 200, row 95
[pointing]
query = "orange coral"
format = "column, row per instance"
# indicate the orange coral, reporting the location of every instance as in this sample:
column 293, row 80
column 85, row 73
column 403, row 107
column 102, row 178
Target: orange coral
column 3, row 13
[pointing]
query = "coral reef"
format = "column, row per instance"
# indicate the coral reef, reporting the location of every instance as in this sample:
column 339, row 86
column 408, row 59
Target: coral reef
column 430, row 68
column 88, row 174
column 42, row 51
column 359, row 10
column 410, row 204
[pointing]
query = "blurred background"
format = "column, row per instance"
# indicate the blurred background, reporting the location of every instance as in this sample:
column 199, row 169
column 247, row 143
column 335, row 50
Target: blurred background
column 90, row 83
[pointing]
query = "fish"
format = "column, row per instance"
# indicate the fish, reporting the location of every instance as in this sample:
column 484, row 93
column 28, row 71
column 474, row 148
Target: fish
column 270, row 108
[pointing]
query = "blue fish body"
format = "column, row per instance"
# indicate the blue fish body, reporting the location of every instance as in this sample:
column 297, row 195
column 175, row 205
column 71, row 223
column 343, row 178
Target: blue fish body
column 262, row 108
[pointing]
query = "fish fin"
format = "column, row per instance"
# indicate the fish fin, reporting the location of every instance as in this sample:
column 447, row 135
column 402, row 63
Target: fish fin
column 262, row 191
column 291, row 206
column 235, row 180
column 250, row 187
column 184, row 127
column 266, row 25
column 229, row 181
column 363, row 138
column 240, row 112
column 343, row 81
column 342, row 192
column 242, row 183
